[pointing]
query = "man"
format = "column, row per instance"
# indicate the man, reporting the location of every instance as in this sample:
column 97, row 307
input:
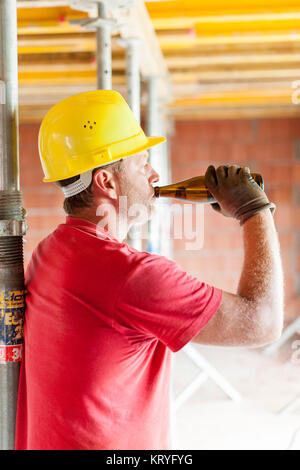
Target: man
column 102, row 318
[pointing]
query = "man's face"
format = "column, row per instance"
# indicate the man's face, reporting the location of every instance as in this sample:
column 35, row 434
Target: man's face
column 135, row 182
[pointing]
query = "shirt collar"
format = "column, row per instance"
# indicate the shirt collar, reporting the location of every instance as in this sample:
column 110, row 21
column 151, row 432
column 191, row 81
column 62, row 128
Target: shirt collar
column 90, row 227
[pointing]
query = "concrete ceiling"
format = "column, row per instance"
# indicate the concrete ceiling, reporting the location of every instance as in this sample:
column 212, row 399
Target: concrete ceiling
column 224, row 59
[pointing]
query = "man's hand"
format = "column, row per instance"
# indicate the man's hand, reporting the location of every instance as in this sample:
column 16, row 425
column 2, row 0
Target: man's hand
column 236, row 193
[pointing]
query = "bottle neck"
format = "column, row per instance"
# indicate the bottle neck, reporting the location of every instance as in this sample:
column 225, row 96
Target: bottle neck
column 193, row 189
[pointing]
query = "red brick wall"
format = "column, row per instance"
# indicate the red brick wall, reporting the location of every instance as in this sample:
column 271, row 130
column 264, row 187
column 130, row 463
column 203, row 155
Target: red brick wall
column 268, row 146
column 42, row 201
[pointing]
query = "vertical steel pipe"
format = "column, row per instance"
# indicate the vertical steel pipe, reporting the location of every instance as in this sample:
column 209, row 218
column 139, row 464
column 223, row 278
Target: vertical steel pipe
column 133, row 76
column 134, row 100
column 12, row 227
column 153, row 244
column 158, row 227
column 104, row 75
column 9, row 152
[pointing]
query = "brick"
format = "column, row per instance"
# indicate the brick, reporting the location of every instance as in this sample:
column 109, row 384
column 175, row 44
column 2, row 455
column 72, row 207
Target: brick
column 234, row 130
column 276, row 173
column 214, row 220
column 220, row 153
column 225, row 283
column 271, row 150
column 284, row 216
column 280, row 195
column 187, row 263
column 274, row 129
column 206, row 130
column 201, row 151
column 228, row 284
column 292, row 308
column 32, row 173
column 28, row 134
column 184, row 171
column 287, row 262
column 49, row 222
column 225, row 130
column 194, row 131
column 239, row 153
column 221, row 261
column 177, row 150
column 294, row 126
column 244, row 130
column 296, row 173
column 296, row 217
column 186, row 152
column 222, row 240
column 287, row 240
column 297, row 149
column 289, row 285
column 31, row 243
column 42, row 199
column 221, row 130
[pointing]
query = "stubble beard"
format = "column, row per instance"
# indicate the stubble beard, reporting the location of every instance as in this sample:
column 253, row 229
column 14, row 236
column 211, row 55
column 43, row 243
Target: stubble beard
column 135, row 201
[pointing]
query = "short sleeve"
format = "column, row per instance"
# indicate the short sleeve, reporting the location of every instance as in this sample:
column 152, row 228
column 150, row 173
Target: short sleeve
column 160, row 300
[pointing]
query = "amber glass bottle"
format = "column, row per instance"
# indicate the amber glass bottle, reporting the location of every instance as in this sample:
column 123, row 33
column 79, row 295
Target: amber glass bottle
column 194, row 189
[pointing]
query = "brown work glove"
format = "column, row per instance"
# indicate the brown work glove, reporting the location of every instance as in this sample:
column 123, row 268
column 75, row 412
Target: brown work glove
column 236, row 192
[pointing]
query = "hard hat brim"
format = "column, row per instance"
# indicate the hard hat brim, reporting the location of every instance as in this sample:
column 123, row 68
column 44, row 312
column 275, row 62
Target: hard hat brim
column 150, row 142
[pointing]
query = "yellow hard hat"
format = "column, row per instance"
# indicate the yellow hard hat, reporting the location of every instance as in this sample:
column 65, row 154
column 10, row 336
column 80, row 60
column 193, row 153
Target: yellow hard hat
column 89, row 130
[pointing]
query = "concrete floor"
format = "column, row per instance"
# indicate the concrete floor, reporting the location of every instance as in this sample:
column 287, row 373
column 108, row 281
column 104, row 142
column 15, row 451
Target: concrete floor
column 211, row 421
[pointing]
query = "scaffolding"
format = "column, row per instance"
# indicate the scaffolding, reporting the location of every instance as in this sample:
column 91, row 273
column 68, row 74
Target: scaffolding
column 12, row 228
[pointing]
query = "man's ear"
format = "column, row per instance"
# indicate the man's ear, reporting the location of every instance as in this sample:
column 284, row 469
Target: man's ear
column 105, row 184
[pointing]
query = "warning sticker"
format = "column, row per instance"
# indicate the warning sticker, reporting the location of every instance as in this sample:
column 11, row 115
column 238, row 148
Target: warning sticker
column 12, row 309
column 12, row 299
column 11, row 353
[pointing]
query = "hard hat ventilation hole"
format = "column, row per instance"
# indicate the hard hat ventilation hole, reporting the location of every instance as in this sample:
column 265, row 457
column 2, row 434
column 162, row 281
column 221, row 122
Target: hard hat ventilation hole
column 90, row 124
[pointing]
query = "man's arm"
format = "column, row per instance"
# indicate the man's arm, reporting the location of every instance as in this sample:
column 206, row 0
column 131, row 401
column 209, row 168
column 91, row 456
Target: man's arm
column 253, row 316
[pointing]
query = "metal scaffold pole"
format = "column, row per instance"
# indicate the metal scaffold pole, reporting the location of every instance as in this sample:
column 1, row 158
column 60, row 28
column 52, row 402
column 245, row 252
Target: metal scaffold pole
column 133, row 75
column 134, row 100
column 102, row 25
column 12, row 228
column 159, row 236
column 153, row 245
column 103, row 50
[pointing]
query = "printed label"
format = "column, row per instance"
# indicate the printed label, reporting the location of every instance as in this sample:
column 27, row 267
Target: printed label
column 11, row 353
column 12, row 309
column 12, row 299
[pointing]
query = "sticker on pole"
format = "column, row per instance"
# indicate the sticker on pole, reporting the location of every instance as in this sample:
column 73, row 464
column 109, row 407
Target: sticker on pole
column 12, row 309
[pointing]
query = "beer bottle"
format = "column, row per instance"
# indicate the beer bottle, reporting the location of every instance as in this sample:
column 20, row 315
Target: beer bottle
column 194, row 189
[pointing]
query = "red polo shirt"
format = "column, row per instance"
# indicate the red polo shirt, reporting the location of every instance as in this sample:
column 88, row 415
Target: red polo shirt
column 101, row 321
